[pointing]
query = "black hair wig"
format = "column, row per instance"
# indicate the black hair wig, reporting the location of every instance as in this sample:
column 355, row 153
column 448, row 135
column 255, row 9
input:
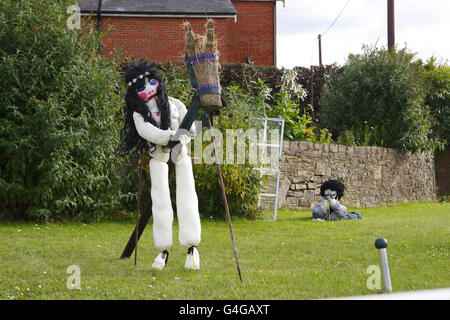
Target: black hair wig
column 129, row 137
column 334, row 185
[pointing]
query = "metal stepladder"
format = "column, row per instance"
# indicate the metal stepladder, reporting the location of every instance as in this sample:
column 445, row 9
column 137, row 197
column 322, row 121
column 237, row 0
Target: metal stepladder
column 271, row 171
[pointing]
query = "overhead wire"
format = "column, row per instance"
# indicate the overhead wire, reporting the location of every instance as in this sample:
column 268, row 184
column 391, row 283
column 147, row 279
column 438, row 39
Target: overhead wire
column 334, row 21
column 330, row 26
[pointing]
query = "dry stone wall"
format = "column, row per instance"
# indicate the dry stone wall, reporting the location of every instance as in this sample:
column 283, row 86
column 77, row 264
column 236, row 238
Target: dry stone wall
column 372, row 175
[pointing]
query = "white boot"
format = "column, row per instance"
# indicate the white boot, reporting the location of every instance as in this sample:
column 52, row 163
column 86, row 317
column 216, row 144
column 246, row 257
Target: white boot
column 192, row 259
column 161, row 260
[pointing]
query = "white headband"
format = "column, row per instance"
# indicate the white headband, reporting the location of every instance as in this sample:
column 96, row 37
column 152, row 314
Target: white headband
column 141, row 76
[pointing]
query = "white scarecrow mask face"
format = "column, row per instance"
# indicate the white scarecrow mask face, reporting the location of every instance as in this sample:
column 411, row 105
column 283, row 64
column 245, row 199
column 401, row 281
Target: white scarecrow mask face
column 148, row 91
column 330, row 194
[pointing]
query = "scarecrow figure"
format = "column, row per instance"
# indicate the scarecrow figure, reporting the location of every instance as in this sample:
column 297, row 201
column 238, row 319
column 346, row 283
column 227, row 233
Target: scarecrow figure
column 151, row 120
column 330, row 208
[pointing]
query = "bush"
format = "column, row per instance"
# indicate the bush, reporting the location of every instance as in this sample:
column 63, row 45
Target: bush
column 285, row 104
column 242, row 186
column 242, row 182
column 362, row 135
column 243, row 75
column 383, row 92
column 437, row 83
column 58, row 126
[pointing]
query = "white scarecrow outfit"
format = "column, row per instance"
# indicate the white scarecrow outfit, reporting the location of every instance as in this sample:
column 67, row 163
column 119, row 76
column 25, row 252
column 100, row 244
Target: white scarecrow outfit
column 151, row 130
column 186, row 197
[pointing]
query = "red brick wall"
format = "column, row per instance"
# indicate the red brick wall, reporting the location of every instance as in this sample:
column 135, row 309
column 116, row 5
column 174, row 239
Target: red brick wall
column 443, row 168
column 253, row 33
column 162, row 39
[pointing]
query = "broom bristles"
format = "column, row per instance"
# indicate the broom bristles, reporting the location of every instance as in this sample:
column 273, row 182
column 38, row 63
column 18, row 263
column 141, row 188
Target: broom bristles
column 195, row 43
column 211, row 44
column 189, row 38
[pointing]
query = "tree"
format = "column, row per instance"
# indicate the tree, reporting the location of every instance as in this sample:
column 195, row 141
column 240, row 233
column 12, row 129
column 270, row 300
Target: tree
column 58, row 103
column 381, row 94
column 437, row 84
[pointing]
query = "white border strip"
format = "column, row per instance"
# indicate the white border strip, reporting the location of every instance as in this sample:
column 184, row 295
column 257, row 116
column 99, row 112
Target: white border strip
column 435, row 294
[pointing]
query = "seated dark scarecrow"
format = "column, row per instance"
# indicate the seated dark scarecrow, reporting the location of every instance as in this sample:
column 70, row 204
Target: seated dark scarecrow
column 330, row 208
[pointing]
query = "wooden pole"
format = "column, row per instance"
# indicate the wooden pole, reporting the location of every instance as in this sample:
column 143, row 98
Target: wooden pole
column 320, row 49
column 137, row 214
column 225, row 201
column 311, row 87
column 390, row 24
column 99, row 24
column 329, row 209
column 143, row 220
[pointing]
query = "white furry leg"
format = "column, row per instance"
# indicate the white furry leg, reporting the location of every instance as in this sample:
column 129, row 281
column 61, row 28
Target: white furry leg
column 161, row 260
column 161, row 205
column 187, row 204
column 192, row 259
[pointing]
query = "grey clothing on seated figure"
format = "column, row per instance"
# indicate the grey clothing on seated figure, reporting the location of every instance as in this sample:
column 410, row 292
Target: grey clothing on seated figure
column 338, row 212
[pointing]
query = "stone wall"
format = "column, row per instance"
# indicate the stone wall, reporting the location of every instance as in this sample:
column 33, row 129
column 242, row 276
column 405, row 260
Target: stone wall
column 372, row 175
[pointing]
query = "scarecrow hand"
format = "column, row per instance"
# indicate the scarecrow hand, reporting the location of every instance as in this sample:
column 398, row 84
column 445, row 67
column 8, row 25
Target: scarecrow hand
column 334, row 204
column 184, row 141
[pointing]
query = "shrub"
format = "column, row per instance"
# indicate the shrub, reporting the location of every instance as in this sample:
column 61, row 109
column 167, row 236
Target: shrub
column 243, row 75
column 177, row 82
column 296, row 127
column 437, row 83
column 58, row 130
column 384, row 91
column 324, row 136
column 242, row 186
column 362, row 135
column 242, row 181
column 346, row 138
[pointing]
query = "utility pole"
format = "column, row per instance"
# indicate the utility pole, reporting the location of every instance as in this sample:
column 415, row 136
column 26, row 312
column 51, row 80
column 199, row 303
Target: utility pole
column 311, row 86
column 99, row 24
column 320, row 49
column 390, row 24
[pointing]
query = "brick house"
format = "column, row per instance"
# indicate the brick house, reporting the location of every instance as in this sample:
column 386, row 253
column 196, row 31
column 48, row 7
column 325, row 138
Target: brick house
column 246, row 29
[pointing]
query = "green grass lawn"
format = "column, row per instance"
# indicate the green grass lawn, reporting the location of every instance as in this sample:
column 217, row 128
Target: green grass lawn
column 292, row 258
